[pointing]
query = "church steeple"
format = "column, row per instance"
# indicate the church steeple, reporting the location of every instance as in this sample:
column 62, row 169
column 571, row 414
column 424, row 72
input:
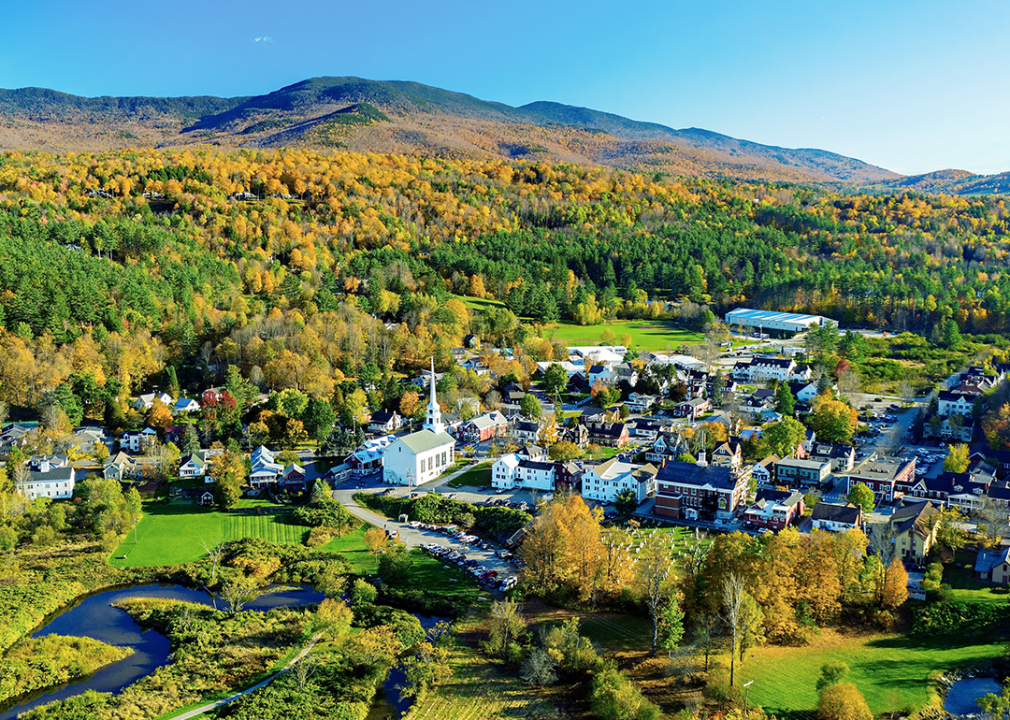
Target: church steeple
column 433, row 419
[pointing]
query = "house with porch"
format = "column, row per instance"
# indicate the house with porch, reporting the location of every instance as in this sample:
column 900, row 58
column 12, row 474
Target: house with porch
column 774, row 509
column 604, row 482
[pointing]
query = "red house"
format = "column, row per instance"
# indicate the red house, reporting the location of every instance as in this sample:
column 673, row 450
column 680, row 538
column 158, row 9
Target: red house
column 775, row 509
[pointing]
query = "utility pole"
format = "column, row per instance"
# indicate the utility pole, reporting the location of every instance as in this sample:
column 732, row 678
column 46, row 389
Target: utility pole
column 134, row 531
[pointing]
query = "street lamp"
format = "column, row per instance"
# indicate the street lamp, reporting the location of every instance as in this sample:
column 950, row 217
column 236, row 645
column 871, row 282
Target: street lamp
column 746, row 690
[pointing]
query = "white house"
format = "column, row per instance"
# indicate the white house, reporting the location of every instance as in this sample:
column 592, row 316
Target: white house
column 807, row 393
column 50, row 481
column 949, row 403
column 422, row 456
column 604, row 482
column 264, row 470
column 764, row 368
column 639, row 403
column 146, row 401
column 183, row 405
column 511, row 471
column 136, row 442
column 192, row 466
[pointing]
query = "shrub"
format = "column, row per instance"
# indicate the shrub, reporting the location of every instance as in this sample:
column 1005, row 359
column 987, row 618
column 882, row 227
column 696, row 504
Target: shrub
column 843, row 701
column 614, row 697
column 363, row 592
column 538, row 668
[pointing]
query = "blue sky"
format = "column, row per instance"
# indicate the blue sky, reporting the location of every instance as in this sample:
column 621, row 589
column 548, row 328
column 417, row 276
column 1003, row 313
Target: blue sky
column 911, row 86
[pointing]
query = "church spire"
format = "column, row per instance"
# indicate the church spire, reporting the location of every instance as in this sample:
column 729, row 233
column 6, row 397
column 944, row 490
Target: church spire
column 433, row 420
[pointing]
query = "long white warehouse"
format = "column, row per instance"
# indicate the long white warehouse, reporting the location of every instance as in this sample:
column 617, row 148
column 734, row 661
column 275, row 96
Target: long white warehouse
column 766, row 320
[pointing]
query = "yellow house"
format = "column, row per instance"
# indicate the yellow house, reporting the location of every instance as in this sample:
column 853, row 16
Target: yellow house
column 914, row 530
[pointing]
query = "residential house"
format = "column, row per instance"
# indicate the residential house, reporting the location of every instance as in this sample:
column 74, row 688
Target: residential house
column 692, row 409
column 799, row 373
column 648, row 428
column 567, row 476
column 993, row 565
column 837, row 517
column 775, row 509
column 665, row 447
column 117, row 467
column 600, row 374
column 191, row 466
column 50, row 478
column 728, row 454
column 804, row 392
column 954, row 403
column 532, row 452
column 964, row 490
column 762, row 369
column 525, row 431
column 265, row 471
column 604, row 482
column 914, row 530
column 293, row 477
column 841, row 457
column 699, row 491
column 146, row 401
column 802, row 473
column 639, row 403
column 483, row 427
column 367, row 458
column 623, row 372
column 385, row 422
column 137, row 442
column 885, row 476
column 608, row 434
column 575, row 433
column 764, row 471
column 511, row 471
column 14, row 435
column 185, row 405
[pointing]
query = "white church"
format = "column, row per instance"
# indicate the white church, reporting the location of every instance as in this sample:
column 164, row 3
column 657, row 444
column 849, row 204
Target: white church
column 422, row 456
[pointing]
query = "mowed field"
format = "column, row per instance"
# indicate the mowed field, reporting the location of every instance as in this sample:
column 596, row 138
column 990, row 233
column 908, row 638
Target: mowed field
column 645, row 334
column 173, row 534
column 890, row 670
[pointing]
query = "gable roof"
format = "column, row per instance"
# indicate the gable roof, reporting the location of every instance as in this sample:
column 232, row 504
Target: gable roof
column 987, row 559
column 423, row 440
column 913, row 517
column 836, row 512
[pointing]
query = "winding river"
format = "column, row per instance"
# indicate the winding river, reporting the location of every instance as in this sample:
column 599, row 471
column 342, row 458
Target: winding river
column 95, row 617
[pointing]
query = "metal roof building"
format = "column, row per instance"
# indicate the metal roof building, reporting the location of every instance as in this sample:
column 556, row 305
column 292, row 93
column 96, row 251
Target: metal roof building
column 771, row 320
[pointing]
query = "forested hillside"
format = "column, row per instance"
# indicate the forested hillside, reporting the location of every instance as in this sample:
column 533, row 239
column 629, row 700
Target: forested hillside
column 407, row 118
column 300, row 267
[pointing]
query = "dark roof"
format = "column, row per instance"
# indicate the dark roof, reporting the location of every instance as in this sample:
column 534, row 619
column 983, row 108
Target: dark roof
column 608, row 429
column 764, row 393
column 684, row 473
column 847, row 513
column 774, row 362
column 527, row 426
column 383, row 416
column 536, row 465
column 779, row 497
column 913, row 515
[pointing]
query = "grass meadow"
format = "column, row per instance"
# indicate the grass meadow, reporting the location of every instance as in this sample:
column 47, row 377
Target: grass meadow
column 645, row 334
column 174, row 534
column 890, row 670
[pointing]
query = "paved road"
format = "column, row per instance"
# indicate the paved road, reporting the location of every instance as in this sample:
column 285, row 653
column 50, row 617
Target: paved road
column 195, row 712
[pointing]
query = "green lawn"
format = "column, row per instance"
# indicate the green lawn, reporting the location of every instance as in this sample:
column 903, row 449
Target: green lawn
column 645, row 334
column 475, row 303
column 173, row 534
column 478, row 476
column 965, row 588
column 352, row 546
column 890, row 670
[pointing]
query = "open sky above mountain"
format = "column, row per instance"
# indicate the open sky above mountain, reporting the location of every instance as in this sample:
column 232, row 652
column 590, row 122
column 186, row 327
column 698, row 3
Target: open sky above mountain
column 911, row 86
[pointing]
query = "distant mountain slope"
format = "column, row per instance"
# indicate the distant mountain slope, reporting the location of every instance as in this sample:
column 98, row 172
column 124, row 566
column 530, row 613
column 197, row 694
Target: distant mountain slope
column 954, row 182
column 410, row 118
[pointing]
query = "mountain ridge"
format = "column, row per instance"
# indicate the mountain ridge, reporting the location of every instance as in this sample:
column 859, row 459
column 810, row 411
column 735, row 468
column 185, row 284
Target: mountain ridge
column 410, row 118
